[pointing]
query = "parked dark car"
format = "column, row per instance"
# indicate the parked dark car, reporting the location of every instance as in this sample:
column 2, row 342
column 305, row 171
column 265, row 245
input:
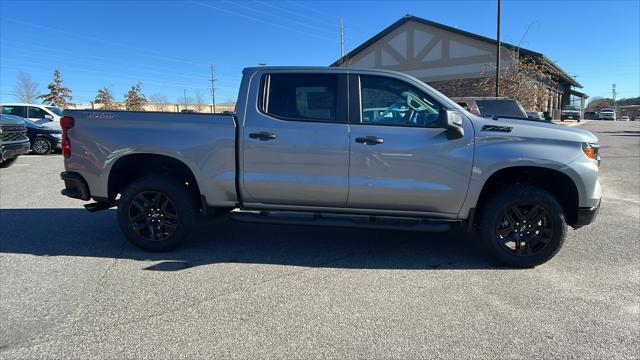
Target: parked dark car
column 493, row 107
column 43, row 139
column 590, row 115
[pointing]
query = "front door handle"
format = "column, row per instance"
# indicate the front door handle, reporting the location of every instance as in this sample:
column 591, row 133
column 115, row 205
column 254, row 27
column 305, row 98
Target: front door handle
column 263, row 135
column 369, row 140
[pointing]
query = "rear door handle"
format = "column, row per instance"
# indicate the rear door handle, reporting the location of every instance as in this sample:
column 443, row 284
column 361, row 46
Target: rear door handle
column 263, row 136
column 369, row 140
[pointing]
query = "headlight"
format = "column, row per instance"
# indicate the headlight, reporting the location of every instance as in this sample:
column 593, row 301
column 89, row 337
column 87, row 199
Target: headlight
column 57, row 135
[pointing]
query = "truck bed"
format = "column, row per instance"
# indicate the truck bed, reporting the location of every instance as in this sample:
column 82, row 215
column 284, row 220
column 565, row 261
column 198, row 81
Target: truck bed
column 204, row 142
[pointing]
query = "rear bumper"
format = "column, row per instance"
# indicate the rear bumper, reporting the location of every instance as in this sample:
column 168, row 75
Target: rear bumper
column 75, row 186
column 9, row 151
column 586, row 215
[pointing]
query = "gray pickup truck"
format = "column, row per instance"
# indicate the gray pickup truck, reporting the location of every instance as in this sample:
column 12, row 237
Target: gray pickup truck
column 338, row 147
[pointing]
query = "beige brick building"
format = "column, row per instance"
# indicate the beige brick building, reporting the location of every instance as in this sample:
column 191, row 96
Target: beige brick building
column 452, row 60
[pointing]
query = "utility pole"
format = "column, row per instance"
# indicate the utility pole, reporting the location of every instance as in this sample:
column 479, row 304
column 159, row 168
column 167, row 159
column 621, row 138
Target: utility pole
column 615, row 106
column 341, row 38
column 213, row 88
column 184, row 97
column 498, row 56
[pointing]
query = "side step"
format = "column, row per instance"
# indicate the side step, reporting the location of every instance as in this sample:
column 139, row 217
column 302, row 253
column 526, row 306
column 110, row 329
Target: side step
column 340, row 220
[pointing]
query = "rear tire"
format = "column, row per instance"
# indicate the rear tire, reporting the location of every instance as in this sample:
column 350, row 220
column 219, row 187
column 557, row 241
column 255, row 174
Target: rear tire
column 157, row 213
column 522, row 226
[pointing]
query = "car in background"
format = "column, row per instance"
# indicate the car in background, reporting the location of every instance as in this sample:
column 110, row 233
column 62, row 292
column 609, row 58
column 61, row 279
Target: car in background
column 624, row 118
column 495, row 107
column 535, row 115
column 48, row 116
column 570, row 112
column 43, row 140
column 608, row 114
column 13, row 139
column 590, row 115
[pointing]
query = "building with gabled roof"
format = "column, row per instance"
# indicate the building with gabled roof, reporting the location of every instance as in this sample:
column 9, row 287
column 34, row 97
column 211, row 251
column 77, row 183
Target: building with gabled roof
column 452, row 60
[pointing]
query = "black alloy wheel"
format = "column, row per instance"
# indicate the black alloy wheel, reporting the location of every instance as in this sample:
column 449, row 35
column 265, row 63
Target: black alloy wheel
column 153, row 216
column 524, row 229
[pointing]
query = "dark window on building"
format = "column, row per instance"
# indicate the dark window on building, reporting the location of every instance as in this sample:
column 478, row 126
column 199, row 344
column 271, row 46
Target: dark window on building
column 387, row 101
column 302, row 97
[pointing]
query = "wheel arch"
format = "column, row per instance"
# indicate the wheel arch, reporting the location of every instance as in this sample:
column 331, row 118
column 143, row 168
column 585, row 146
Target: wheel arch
column 559, row 184
column 130, row 167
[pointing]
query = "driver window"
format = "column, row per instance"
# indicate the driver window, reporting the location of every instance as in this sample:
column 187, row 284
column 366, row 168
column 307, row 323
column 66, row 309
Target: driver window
column 387, row 101
column 34, row 112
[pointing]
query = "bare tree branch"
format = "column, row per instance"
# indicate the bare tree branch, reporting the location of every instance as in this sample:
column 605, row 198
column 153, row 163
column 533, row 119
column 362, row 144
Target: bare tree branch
column 26, row 90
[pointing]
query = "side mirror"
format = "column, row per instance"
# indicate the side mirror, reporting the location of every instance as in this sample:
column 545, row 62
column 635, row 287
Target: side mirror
column 452, row 121
column 48, row 117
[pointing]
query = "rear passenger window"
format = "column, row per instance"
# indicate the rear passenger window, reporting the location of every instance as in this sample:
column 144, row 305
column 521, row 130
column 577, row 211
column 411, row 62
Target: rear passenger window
column 302, row 97
column 14, row 110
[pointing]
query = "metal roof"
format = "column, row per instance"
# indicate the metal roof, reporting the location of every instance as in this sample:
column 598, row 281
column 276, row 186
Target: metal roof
column 568, row 78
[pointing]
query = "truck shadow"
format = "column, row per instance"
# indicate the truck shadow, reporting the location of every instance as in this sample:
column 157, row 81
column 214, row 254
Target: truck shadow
column 75, row 232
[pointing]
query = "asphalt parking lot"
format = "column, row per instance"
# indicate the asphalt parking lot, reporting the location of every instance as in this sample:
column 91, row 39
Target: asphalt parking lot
column 71, row 287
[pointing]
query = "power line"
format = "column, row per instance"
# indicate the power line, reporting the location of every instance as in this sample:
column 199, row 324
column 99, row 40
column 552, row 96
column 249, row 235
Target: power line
column 300, row 23
column 259, row 20
column 295, row 13
column 138, row 50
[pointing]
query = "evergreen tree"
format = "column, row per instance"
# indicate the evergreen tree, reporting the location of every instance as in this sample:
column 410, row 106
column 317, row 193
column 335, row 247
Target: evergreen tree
column 134, row 99
column 105, row 97
column 58, row 95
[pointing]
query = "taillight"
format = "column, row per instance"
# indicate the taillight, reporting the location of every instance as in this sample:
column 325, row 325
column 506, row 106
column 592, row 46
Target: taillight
column 591, row 150
column 66, row 123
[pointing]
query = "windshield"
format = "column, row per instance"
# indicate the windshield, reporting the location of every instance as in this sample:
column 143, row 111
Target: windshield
column 55, row 110
column 504, row 108
column 571, row 107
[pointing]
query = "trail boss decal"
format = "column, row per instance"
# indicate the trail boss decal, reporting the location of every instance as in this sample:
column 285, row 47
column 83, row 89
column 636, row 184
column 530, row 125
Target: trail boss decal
column 100, row 115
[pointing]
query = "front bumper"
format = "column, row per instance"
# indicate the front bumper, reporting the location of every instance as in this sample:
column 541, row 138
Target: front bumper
column 586, row 215
column 10, row 151
column 75, row 186
column 570, row 116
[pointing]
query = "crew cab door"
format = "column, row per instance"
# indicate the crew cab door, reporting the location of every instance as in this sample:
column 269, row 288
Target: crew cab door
column 295, row 140
column 400, row 158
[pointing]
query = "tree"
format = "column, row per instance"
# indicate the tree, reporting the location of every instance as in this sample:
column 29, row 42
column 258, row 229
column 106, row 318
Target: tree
column 134, row 99
column 26, row 90
column 158, row 102
column 185, row 101
column 58, row 95
column 199, row 101
column 524, row 80
column 105, row 97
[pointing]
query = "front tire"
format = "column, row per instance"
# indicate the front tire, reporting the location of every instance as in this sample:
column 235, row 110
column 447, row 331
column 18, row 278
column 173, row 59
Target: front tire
column 41, row 146
column 522, row 226
column 157, row 213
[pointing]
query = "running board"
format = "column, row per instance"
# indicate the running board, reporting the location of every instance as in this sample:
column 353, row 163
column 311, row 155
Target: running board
column 339, row 220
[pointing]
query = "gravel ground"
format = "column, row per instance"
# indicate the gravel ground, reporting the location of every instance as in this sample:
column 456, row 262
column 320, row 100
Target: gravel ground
column 72, row 287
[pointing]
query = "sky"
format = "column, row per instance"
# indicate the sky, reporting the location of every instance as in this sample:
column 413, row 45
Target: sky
column 170, row 45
